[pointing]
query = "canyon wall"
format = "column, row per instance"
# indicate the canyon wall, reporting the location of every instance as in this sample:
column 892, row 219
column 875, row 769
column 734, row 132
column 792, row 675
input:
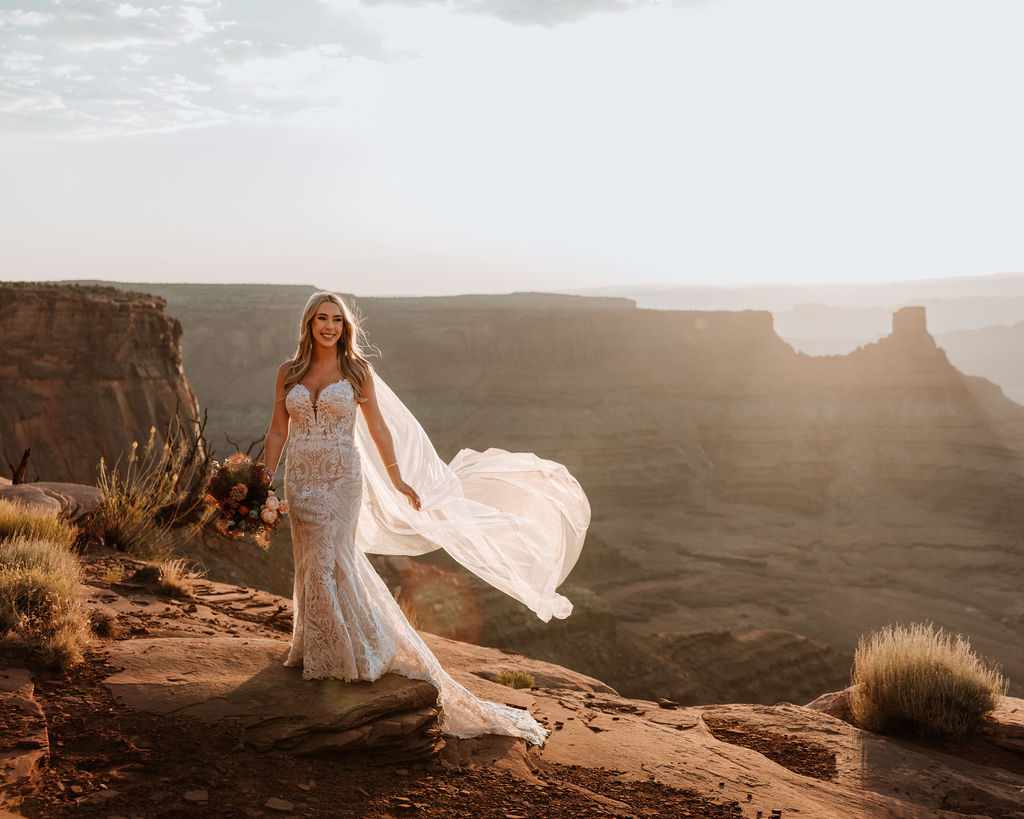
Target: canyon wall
column 84, row 371
column 700, row 410
column 736, row 484
column 649, row 409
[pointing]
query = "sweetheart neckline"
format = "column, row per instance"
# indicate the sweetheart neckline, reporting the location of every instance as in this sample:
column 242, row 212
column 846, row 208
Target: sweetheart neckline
column 312, row 401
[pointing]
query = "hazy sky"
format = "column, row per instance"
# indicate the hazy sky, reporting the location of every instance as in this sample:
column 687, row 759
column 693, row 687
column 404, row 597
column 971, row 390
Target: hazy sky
column 411, row 146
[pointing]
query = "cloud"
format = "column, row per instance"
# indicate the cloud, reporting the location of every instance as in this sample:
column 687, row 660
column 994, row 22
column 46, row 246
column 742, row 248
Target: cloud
column 101, row 67
column 528, row 12
column 98, row 67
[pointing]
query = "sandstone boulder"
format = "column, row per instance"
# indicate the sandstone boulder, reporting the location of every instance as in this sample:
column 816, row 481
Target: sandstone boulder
column 244, row 680
column 1005, row 727
column 69, row 500
column 835, row 703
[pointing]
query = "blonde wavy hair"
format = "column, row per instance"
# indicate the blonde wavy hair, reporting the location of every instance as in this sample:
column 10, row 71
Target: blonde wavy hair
column 351, row 361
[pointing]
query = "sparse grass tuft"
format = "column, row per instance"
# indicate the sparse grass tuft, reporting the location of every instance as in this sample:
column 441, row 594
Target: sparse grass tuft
column 114, row 573
column 39, row 604
column 177, row 578
column 914, row 677
column 22, row 519
column 515, row 679
column 409, row 610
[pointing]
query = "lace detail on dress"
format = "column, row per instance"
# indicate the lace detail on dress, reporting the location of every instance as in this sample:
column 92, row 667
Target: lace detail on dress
column 347, row 625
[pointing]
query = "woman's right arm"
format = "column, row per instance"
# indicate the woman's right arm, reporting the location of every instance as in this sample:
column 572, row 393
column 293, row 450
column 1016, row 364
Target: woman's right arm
column 277, row 434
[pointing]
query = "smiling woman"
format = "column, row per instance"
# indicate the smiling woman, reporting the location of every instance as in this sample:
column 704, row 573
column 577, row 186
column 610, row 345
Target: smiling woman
column 514, row 519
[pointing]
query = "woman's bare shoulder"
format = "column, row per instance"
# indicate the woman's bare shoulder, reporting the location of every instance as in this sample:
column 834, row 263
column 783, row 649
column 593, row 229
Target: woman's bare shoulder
column 284, row 369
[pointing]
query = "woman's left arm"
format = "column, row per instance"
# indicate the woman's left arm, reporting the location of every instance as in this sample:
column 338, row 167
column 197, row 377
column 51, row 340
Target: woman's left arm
column 382, row 438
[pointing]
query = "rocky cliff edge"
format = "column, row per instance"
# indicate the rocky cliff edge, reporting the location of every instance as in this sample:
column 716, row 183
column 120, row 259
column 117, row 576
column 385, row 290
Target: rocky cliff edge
column 186, row 709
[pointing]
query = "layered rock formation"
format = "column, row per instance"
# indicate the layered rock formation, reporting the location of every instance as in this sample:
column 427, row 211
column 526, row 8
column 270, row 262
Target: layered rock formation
column 84, row 371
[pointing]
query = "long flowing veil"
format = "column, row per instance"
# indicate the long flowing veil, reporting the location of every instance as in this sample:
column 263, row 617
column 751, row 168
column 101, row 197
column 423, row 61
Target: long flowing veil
column 513, row 519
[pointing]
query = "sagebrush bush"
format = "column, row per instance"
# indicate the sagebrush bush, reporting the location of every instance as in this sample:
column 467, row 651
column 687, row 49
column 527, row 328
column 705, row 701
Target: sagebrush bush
column 515, row 679
column 151, row 500
column 104, row 624
column 39, row 604
column 21, row 519
column 922, row 679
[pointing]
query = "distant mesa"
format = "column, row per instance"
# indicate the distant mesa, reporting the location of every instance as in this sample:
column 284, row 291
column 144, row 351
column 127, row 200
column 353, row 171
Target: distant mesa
column 910, row 321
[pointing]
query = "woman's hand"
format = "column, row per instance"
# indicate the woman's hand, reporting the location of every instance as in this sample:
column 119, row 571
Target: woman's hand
column 408, row 491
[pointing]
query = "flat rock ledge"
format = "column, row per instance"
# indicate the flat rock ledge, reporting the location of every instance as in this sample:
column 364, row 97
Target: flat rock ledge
column 243, row 680
column 24, row 740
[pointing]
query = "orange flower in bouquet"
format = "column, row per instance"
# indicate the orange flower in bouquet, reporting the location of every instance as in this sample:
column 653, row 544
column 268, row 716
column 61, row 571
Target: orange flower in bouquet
column 240, row 491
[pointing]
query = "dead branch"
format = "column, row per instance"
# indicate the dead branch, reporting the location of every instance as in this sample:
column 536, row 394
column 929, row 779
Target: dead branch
column 18, row 472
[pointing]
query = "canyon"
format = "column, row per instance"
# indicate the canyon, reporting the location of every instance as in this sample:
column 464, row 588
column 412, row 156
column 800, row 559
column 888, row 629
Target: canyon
column 756, row 509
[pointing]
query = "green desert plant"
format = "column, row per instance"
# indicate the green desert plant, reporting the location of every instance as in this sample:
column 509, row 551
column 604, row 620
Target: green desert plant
column 19, row 519
column 39, row 605
column 514, row 679
column 177, row 577
column 153, row 498
column 921, row 679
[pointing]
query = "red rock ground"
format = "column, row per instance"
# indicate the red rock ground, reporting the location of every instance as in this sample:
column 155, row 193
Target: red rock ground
column 107, row 760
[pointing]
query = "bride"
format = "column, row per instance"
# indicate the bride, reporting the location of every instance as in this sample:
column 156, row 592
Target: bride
column 512, row 518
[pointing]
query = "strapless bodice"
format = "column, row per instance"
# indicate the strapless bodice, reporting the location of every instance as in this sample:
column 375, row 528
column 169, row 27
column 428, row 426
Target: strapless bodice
column 321, row 447
column 333, row 414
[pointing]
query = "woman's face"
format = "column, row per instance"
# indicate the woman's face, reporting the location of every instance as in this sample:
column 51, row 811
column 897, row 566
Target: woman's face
column 327, row 324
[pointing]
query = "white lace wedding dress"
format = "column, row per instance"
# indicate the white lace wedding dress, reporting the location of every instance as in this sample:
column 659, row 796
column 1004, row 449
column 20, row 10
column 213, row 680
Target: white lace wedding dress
column 347, row 625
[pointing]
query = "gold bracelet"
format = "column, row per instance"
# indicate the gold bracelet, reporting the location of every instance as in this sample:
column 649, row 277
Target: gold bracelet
column 391, row 465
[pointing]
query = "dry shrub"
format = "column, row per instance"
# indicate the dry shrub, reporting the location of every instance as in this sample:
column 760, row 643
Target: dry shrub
column 26, row 520
column 409, row 610
column 39, row 604
column 177, row 577
column 105, row 624
column 916, row 678
column 514, row 679
column 152, row 500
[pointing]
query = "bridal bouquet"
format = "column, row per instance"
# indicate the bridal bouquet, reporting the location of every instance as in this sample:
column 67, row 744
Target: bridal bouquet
column 240, row 491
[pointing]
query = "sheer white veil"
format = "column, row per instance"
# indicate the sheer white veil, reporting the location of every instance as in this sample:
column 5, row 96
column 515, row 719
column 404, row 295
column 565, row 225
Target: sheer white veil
column 513, row 519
